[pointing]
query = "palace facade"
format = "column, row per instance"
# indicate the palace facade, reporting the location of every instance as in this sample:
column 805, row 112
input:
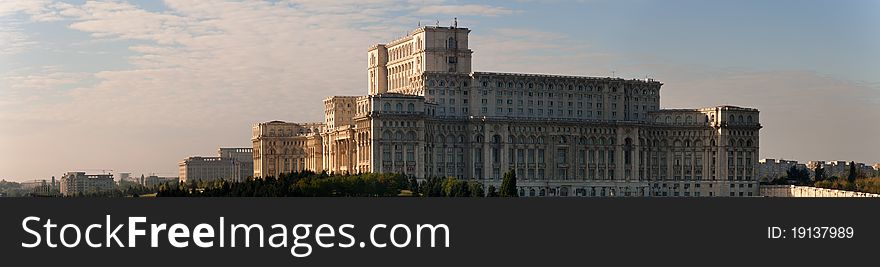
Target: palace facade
column 428, row 114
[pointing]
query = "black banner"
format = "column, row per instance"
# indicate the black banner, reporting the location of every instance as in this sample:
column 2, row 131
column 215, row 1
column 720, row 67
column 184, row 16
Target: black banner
column 481, row 232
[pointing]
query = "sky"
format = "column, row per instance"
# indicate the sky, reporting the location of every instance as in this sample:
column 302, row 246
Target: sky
column 137, row 86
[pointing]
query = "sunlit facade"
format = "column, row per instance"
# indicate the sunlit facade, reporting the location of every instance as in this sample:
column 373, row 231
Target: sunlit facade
column 428, row 114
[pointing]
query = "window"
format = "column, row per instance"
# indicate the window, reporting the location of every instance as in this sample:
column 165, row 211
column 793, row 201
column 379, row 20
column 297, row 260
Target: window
column 561, row 156
column 451, row 43
column 410, row 153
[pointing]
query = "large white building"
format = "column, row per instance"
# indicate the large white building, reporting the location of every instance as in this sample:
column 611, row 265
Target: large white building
column 428, row 114
column 80, row 183
column 231, row 164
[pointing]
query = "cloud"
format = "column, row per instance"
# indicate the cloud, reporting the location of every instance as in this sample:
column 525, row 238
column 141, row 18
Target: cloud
column 25, row 6
column 466, row 10
column 13, row 39
column 35, row 10
column 201, row 71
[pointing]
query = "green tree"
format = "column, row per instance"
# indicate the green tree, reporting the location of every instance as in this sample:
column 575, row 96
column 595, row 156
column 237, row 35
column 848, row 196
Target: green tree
column 800, row 176
column 414, row 186
column 819, row 172
column 851, row 177
column 492, row 192
column 476, row 189
column 508, row 184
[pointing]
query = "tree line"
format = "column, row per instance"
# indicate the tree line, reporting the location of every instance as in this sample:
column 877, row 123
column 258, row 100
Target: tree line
column 311, row 184
column 854, row 180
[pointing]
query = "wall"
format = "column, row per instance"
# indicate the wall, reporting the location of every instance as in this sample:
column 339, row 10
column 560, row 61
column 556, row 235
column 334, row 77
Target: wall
column 808, row 191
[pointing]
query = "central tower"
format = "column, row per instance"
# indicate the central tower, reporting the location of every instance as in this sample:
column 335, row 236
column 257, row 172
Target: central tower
column 397, row 67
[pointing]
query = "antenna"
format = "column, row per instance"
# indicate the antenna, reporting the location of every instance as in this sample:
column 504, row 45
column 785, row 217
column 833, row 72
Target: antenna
column 455, row 22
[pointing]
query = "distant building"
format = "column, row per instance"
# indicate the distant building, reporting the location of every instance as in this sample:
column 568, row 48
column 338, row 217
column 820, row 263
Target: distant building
column 232, row 164
column 244, row 158
column 840, row 168
column 123, row 176
column 80, row 183
column 42, row 187
column 769, row 169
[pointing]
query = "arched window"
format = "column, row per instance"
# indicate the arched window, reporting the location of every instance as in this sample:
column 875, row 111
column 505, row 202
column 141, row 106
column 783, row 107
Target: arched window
column 689, row 119
column 732, row 118
column 386, row 107
column 496, row 139
column 677, row 119
column 749, row 143
column 740, row 118
column 399, row 107
column 531, row 192
column 749, row 118
column 387, row 135
column 410, row 107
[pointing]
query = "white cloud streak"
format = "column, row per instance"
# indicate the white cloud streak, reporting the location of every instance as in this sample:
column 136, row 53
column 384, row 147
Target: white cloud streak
column 466, row 10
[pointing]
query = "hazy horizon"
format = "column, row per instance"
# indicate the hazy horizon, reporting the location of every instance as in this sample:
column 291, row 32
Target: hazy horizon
column 137, row 86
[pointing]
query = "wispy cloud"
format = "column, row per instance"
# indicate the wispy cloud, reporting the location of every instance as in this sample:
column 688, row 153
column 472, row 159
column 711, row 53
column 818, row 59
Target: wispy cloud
column 205, row 66
column 13, row 39
column 466, row 10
